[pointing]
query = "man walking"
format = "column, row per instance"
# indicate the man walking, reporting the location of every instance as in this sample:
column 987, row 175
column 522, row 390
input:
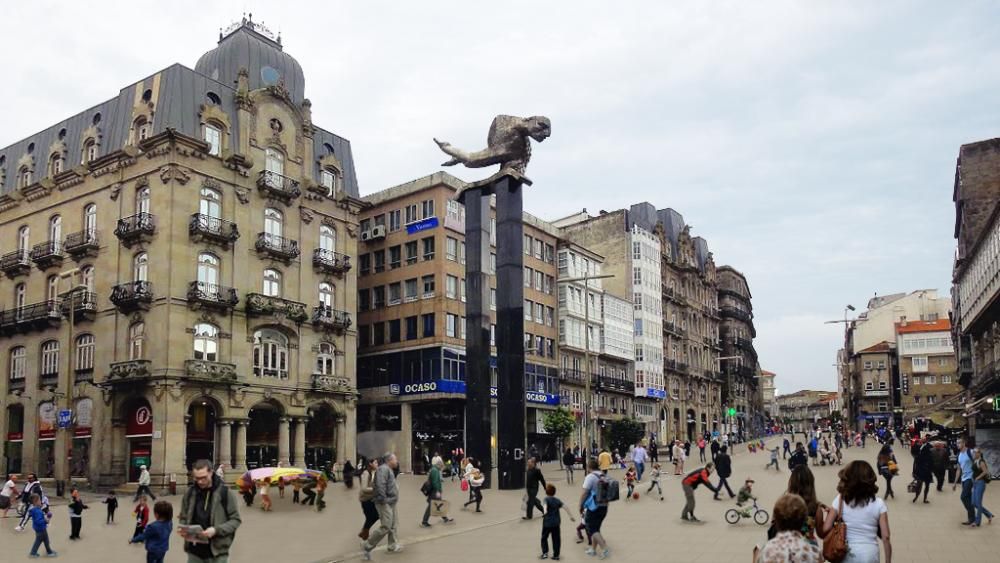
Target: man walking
column 798, row 457
column 213, row 506
column 639, row 457
column 436, row 491
column 724, row 467
column 143, row 484
column 593, row 511
column 965, row 466
column 386, row 497
column 689, row 484
column 787, row 450
column 714, row 448
column 533, row 479
column 33, row 487
column 939, row 462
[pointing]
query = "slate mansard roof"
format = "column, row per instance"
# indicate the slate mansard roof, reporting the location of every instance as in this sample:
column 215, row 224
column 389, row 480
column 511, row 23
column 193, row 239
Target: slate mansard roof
column 181, row 93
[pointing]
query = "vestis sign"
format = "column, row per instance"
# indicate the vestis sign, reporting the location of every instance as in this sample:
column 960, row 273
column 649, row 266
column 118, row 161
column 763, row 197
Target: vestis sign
column 423, row 225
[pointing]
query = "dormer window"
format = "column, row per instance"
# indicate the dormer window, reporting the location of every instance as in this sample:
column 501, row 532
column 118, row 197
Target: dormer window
column 328, row 179
column 24, row 177
column 213, row 136
column 89, row 151
column 55, row 164
column 142, row 129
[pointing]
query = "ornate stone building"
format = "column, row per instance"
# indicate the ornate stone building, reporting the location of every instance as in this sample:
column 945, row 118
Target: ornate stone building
column 741, row 388
column 179, row 276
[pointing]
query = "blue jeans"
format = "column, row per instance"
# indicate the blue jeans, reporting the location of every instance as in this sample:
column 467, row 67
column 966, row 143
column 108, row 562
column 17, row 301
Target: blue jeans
column 966, row 497
column 640, row 468
column 40, row 538
column 978, row 490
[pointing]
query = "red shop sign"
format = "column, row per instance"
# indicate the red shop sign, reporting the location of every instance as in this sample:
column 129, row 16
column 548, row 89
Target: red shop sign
column 140, row 422
column 83, row 432
column 15, row 436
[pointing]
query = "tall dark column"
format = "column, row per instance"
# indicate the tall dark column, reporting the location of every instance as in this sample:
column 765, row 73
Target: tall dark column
column 510, row 333
column 478, row 430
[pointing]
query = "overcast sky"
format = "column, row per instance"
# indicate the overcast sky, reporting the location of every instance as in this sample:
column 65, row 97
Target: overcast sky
column 812, row 144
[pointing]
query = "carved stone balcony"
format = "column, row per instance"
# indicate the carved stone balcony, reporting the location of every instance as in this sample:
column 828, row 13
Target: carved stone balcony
column 281, row 248
column 131, row 370
column 673, row 328
column 738, row 314
column 83, row 244
column 48, row 380
column 15, row 385
column 47, row 254
column 330, row 383
column 210, row 371
column 259, row 305
column 276, row 186
column 213, row 230
column 37, row 316
column 82, row 304
column 135, row 229
column 16, row 263
column 210, row 295
column 330, row 318
column 331, row 262
column 132, row 296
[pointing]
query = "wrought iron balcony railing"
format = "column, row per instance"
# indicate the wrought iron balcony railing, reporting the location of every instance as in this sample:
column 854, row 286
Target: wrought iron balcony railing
column 212, row 229
column 328, row 317
column 211, row 295
column 82, row 244
column 47, row 254
column 82, row 305
column 16, row 263
column 329, row 261
column 278, row 186
column 277, row 247
column 37, row 316
column 138, row 228
column 132, row 296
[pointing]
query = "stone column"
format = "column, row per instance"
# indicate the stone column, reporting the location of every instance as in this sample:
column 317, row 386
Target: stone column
column 283, row 441
column 405, row 450
column 340, row 442
column 240, row 459
column 225, row 443
column 299, row 454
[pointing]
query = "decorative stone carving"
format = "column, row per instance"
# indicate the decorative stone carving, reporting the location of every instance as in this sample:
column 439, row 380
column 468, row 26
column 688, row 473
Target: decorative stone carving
column 258, row 304
column 168, row 173
column 214, row 371
column 116, row 189
column 507, row 144
column 330, row 383
column 242, row 195
column 133, row 369
column 306, row 214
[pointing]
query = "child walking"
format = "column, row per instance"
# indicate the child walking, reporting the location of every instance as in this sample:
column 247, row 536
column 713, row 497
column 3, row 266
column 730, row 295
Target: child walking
column 281, row 488
column 774, row 460
column 630, row 482
column 551, row 521
column 39, row 523
column 265, row 495
column 157, row 535
column 141, row 518
column 112, row 502
column 654, row 477
column 76, row 508
column 296, row 487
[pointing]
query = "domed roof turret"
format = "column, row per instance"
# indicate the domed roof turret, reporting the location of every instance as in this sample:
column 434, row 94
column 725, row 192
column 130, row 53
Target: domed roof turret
column 251, row 46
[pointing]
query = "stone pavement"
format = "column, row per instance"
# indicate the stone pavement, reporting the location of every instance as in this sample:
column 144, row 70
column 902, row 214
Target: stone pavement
column 644, row 530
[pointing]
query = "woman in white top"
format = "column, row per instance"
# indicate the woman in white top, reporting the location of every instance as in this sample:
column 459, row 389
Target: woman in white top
column 864, row 513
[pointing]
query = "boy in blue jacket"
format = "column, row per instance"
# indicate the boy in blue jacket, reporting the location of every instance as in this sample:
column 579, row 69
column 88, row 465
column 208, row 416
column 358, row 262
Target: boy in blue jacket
column 39, row 523
column 157, row 535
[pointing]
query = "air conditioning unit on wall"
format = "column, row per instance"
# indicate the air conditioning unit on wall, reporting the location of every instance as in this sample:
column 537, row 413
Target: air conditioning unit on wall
column 378, row 231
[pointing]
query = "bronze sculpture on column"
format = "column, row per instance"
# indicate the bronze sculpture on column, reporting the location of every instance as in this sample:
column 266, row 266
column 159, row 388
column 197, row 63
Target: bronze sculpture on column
column 509, row 145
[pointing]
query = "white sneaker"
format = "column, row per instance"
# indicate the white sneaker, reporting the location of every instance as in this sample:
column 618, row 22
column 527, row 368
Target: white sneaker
column 605, row 554
column 366, row 555
column 590, row 551
column 18, row 529
column 395, row 549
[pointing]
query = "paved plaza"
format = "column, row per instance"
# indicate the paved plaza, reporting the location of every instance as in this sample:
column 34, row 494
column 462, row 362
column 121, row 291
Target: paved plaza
column 644, row 530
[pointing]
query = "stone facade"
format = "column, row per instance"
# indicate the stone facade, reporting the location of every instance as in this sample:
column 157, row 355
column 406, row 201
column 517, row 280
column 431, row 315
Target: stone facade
column 209, row 249
column 801, row 410
column 741, row 389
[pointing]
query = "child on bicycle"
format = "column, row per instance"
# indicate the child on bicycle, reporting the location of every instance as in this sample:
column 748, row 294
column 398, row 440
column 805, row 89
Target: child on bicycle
column 745, row 493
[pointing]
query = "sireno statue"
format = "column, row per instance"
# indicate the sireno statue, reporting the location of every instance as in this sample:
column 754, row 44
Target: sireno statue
column 507, row 145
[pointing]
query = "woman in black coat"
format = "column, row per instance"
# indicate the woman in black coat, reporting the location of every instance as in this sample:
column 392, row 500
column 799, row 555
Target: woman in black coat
column 923, row 470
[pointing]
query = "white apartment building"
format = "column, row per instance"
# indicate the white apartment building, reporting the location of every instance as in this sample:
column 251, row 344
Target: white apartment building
column 648, row 322
column 878, row 323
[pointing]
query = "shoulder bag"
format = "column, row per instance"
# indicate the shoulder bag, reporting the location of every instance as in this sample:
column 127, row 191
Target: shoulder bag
column 835, row 542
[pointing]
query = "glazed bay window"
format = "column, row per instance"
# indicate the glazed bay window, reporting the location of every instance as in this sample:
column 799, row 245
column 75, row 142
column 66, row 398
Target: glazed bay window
column 270, row 354
column 428, row 282
column 451, row 287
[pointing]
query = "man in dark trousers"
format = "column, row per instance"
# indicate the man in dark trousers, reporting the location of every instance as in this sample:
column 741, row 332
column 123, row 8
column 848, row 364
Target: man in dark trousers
column 787, row 450
column 798, row 457
column 533, row 479
column 724, row 467
column 715, row 448
column 213, row 506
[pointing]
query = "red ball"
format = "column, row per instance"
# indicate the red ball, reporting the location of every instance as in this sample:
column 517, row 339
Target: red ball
column 635, row 496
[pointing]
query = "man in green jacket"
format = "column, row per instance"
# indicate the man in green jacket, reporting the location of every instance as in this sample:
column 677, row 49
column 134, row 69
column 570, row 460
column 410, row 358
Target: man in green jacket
column 210, row 504
column 436, row 492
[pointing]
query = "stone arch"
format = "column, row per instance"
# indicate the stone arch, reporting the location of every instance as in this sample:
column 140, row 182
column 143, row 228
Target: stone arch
column 323, row 423
column 201, row 417
column 263, row 432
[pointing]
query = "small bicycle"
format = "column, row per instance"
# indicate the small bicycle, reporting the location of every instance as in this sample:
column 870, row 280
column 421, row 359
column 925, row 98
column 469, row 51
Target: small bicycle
column 759, row 515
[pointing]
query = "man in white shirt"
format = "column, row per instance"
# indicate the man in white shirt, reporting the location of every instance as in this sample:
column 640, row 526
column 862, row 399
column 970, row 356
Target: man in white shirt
column 639, row 457
column 8, row 493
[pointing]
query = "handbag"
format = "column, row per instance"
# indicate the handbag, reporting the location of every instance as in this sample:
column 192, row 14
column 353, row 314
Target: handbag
column 425, row 489
column 440, row 508
column 835, row 542
column 464, row 486
column 913, row 487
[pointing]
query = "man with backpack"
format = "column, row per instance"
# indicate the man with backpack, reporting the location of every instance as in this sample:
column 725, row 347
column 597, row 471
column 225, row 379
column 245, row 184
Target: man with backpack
column 798, row 457
column 208, row 503
column 598, row 491
column 689, row 484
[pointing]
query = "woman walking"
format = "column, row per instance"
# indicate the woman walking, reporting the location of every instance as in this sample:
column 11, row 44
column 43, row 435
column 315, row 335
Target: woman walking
column 887, row 468
column 476, row 481
column 923, row 470
column 864, row 513
column 367, row 498
column 980, row 474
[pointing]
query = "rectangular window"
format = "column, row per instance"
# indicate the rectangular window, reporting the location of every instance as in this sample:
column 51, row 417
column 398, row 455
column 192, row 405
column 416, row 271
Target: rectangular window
column 365, row 225
column 428, row 208
column 883, row 406
column 916, row 380
column 637, row 276
column 429, row 248
column 550, row 315
column 451, row 287
column 394, row 335
column 493, row 298
column 451, row 249
column 868, row 365
column 539, row 249
column 214, row 139
column 869, row 386
column 395, row 256
column 920, row 363
column 451, row 322
column 462, row 286
column 378, row 296
column 461, row 327
column 882, row 385
column 931, row 399
column 411, row 213
column 636, row 251
column 942, row 362
column 930, row 380
column 428, row 324
column 493, row 335
column 395, row 217
column 411, row 252
column 527, row 245
column 395, row 293
column 539, row 280
column 637, row 301
column 364, row 336
column 527, row 309
column 539, row 313
column 493, row 231
column 364, row 299
column 380, row 220
column 365, row 264
column 410, row 290
column 493, row 263
column 379, row 261
column 550, row 254
column 881, row 364
column 428, row 282
column 528, row 340
column 378, row 334
column 528, row 272
column 461, row 252
column 945, row 379
column 549, row 282
column 411, row 328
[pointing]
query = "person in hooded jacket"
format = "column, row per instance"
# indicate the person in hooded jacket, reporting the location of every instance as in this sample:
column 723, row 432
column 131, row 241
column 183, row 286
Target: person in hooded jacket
column 213, row 506
column 923, row 470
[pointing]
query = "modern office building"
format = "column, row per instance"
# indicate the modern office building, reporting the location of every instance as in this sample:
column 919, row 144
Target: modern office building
column 178, row 279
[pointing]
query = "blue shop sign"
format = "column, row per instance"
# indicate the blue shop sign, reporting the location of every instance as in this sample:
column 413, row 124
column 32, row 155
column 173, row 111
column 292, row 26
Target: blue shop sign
column 437, row 386
column 533, row 397
column 422, row 225
column 656, row 393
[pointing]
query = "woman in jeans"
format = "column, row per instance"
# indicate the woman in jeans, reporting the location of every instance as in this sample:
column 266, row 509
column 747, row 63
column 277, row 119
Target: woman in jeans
column 980, row 472
column 367, row 496
column 886, row 463
column 568, row 460
column 864, row 513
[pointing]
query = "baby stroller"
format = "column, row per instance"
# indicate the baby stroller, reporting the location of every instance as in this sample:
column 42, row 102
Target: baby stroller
column 826, row 457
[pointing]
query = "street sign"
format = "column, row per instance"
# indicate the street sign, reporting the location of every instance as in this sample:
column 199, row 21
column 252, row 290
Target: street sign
column 65, row 417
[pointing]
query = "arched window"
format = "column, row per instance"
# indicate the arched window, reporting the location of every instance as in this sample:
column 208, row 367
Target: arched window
column 87, row 277
column 52, row 288
column 20, row 294
column 50, row 357
column 206, row 342
column 211, row 203
column 55, row 164
column 329, row 178
column 272, row 283
column 85, row 353
column 274, row 223
column 274, row 164
column 23, row 238
column 213, row 136
column 90, row 221
column 140, row 267
column 55, row 228
column 23, row 177
column 142, row 200
column 327, row 238
column 324, row 359
column 89, row 151
column 141, row 129
column 326, row 295
column 18, row 362
column 270, row 354
column 136, row 340
column 208, row 271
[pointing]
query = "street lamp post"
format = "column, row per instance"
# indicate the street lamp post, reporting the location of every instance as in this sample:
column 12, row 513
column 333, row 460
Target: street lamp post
column 586, row 349
column 64, row 389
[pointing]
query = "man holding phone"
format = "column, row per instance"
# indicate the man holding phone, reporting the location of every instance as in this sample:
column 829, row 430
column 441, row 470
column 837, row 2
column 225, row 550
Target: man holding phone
column 210, row 505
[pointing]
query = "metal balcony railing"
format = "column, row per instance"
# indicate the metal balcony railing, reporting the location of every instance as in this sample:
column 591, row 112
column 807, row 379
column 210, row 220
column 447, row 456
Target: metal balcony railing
column 277, row 246
column 278, row 186
column 132, row 296
column 213, row 229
